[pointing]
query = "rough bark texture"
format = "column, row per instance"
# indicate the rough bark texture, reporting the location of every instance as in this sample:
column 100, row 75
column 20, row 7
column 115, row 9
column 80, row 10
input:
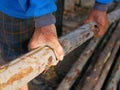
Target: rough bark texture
column 107, row 67
column 115, row 77
column 75, row 71
column 20, row 71
column 92, row 78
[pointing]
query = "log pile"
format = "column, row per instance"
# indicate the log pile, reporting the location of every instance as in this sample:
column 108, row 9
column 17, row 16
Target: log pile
column 96, row 75
column 22, row 70
column 99, row 69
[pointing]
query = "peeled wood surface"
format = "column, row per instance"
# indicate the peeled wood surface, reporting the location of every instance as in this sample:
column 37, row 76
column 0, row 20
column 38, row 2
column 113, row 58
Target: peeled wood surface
column 93, row 77
column 20, row 71
column 107, row 67
column 75, row 71
column 115, row 77
column 77, row 67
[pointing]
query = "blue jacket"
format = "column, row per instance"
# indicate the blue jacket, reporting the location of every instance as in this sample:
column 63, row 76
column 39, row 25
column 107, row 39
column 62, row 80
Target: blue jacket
column 27, row 8
column 104, row 1
column 31, row 8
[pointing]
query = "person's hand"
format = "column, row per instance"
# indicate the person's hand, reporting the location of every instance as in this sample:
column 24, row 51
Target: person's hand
column 46, row 35
column 100, row 17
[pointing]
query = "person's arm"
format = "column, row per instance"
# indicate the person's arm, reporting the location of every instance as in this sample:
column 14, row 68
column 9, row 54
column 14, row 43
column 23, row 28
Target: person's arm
column 45, row 30
column 99, row 15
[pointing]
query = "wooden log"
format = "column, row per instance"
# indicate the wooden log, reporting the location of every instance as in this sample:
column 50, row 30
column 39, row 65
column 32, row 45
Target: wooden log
column 17, row 73
column 114, row 16
column 93, row 77
column 75, row 71
column 115, row 77
column 107, row 36
column 72, row 75
column 20, row 71
column 92, row 61
column 107, row 67
column 118, row 85
column 76, row 38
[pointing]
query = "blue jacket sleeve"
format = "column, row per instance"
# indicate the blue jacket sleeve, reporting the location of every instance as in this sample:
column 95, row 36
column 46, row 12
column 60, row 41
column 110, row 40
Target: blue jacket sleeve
column 41, row 10
column 104, row 1
column 102, row 5
column 36, row 8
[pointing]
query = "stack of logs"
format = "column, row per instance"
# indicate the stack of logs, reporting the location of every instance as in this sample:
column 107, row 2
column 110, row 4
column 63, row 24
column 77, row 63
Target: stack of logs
column 98, row 67
column 95, row 64
column 101, row 63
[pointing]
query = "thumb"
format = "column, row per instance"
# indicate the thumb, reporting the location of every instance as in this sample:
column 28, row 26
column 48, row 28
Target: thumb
column 57, row 48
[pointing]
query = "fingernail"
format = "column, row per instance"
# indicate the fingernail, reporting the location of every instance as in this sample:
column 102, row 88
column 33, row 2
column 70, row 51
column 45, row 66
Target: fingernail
column 61, row 57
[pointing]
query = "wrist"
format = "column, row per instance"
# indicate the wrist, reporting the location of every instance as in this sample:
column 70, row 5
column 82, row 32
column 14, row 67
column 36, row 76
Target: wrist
column 48, row 28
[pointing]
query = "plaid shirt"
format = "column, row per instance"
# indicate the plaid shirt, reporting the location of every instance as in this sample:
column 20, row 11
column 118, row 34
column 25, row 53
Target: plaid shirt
column 14, row 36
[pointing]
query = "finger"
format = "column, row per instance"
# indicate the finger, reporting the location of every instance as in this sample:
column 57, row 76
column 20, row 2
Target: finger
column 53, row 43
column 57, row 48
column 47, row 37
column 102, row 30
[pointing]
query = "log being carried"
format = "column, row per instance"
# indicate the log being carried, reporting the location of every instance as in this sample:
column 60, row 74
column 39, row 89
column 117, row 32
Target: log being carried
column 20, row 71
column 78, row 66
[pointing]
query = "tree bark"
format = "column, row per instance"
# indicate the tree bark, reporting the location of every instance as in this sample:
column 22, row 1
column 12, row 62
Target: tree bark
column 20, row 71
column 93, row 77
